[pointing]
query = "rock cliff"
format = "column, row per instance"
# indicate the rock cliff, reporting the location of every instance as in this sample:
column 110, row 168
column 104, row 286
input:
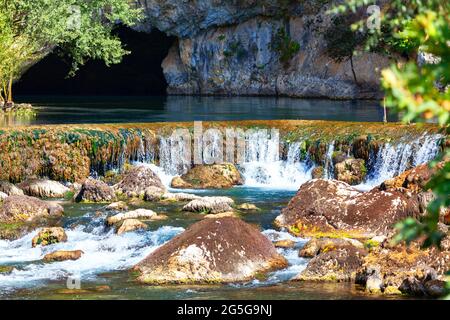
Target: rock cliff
column 249, row 47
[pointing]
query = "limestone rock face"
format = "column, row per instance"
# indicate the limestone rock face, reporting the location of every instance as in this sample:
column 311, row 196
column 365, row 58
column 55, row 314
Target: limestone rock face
column 63, row 255
column 10, row 189
column 94, row 190
column 210, row 205
column 25, row 208
column 351, row 171
column 211, row 251
column 44, row 188
column 48, row 236
column 136, row 180
column 330, row 206
column 215, row 176
column 241, row 59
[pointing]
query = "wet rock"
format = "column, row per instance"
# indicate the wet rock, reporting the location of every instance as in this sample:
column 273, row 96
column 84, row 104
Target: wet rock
column 284, row 244
column 10, row 189
column 247, row 207
column 25, row 208
column 316, row 246
column 143, row 214
column 338, row 157
column 215, row 176
column 136, row 180
column 62, row 255
column 94, row 190
column 48, row 236
column 318, row 172
column 211, row 251
column 337, row 265
column 435, row 288
column 129, row 225
column 351, row 171
column 412, row 286
column 44, row 188
column 374, row 282
column 210, row 205
column 333, row 208
column 117, row 206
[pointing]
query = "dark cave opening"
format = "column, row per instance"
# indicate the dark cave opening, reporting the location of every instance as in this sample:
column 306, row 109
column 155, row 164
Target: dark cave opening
column 139, row 74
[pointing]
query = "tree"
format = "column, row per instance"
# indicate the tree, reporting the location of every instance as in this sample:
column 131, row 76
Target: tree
column 421, row 91
column 80, row 29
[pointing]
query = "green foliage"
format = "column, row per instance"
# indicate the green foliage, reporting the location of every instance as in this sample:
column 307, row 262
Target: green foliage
column 285, row 46
column 80, row 29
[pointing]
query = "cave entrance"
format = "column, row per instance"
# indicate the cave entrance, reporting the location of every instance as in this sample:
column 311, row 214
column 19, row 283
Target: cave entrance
column 139, row 74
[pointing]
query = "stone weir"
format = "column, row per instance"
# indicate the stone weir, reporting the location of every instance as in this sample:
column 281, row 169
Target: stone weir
column 73, row 152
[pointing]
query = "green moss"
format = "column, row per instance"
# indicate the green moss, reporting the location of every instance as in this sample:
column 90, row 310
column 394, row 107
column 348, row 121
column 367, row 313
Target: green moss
column 369, row 244
column 6, row 269
column 11, row 230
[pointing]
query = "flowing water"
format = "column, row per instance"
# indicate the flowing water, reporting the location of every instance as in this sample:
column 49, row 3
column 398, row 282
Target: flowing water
column 271, row 179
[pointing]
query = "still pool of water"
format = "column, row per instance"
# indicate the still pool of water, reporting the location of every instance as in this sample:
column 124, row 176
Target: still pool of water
column 65, row 109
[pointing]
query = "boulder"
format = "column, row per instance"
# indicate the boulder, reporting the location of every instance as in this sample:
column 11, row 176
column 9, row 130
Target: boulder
column 211, row 251
column 143, row 214
column 247, row 207
column 94, row 190
column 153, row 194
column 48, row 236
column 210, row 205
column 10, row 189
column 333, row 208
column 180, row 196
column 62, row 255
column 129, row 225
column 136, row 180
column 44, row 188
column 284, row 244
column 337, row 265
column 351, row 171
column 215, row 176
column 6, row 269
column 117, row 206
column 25, row 208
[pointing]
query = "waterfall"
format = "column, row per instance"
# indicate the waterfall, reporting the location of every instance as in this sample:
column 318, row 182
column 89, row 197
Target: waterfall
column 263, row 165
column 329, row 167
column 393, row 159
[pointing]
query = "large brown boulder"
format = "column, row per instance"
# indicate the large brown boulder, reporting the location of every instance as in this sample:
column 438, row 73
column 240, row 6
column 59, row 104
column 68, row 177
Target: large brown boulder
column 328, row 207
column 44, row 188
column 211, row 251
column 25, row 208
column 94, row 190
column 351, row 171
column 215, row 176
column 210, row 205
column 413, row 180
column 63, row 255
column 136, row 180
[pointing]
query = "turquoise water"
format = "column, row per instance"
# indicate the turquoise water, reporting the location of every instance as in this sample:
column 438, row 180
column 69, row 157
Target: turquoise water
column 65, row 109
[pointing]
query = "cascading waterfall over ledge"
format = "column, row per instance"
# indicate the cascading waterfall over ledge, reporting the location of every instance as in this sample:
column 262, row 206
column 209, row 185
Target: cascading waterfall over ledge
column 71, row 153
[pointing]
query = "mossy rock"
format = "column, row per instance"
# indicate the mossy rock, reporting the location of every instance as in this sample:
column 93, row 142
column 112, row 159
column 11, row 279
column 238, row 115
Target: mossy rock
column 6, row 269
